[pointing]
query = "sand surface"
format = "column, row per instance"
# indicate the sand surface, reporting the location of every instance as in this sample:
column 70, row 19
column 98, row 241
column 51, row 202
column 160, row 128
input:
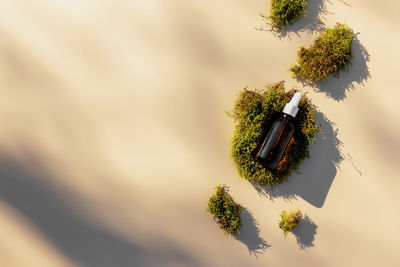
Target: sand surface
column 114, row 133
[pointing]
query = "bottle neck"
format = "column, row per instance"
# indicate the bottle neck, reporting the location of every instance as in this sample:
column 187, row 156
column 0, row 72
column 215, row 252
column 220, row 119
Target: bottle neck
column 287, row 116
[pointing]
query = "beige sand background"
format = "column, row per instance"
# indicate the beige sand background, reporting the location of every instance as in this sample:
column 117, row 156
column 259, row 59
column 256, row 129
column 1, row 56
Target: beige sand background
column 114, row 133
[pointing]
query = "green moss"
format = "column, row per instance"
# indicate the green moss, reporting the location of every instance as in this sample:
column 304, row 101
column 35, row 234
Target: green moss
column 225, row 210
column 330, row 53
column 254, row 112
column 289, row 220
column 285, row 12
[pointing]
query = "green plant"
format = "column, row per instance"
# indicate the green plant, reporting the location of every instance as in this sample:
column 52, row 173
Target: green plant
column 253, row 113
column 289, row 220
column 284, row 12
column 330, row 53
column 225, row 210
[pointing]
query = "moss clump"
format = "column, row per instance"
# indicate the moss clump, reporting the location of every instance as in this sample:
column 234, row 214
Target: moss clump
column 285, row 12
column 330, row 53
column 289, row 220
column 225, row 210
column 254, row 112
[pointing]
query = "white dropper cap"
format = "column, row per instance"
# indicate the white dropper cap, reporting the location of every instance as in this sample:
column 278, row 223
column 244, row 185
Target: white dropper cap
column 292, row 107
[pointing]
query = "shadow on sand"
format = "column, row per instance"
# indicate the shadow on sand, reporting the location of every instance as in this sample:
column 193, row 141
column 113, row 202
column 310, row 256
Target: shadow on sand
column 250, row 234
column 70, row 231
column 336, row 86
column 312, row 22
column 305, row 233
column 315, row 176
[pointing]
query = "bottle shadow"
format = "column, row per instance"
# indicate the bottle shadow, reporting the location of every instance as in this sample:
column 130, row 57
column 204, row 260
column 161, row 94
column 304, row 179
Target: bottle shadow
column 337, row 86
column 316, row 174
column 250, row 234
column 305, row 233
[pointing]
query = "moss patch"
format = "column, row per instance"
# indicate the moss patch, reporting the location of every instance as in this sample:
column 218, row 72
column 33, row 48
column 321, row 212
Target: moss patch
column 285, row 12
column 289, row 220
column 330, row 53
column 254, row 112
column 225, row 210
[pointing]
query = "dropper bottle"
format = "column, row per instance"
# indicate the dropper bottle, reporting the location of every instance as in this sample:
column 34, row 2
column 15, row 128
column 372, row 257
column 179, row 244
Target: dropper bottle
column 279, row 136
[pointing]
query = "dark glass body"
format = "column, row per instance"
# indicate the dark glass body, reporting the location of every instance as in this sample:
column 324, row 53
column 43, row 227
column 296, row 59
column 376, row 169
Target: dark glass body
column 276, row 142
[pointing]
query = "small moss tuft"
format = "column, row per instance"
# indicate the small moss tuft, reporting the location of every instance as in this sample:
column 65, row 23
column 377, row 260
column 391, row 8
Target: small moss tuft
column 285, row 12
column 289, row 220
column 330, row 53
column 225, row 210
column 254, row 112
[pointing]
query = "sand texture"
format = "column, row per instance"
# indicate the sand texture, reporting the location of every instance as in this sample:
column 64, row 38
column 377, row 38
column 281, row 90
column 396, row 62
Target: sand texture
column 113, row 133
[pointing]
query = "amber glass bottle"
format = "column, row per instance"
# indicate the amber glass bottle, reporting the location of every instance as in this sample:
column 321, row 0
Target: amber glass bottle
column 279, row 136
